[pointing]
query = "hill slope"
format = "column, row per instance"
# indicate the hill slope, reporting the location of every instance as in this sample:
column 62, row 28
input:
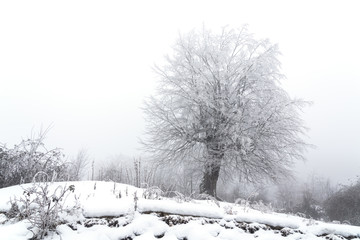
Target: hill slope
column 107, row 211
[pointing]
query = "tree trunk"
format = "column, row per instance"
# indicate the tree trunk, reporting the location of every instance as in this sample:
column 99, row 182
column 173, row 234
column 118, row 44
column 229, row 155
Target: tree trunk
column 212, row 166
column 210, row 178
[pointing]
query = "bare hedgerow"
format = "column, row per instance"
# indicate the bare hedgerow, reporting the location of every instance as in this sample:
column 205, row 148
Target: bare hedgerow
column 344, row 205
column 22, row 162
column 42, row 207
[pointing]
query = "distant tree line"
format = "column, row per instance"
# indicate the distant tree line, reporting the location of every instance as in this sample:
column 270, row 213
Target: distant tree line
column 317, row 198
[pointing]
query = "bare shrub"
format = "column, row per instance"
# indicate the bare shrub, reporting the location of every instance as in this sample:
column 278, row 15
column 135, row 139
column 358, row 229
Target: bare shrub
column 42, row 207
column 344, row 205
column 20, row 163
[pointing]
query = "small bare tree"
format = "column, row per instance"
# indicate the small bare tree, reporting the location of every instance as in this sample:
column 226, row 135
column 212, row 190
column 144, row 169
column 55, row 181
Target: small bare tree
column 220, row 105
column 78, row 165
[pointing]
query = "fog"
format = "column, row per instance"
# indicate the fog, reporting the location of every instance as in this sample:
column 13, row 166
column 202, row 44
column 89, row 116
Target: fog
column 84, row 68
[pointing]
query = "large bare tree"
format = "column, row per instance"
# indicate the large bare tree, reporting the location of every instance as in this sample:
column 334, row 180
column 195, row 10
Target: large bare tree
column 220, row 105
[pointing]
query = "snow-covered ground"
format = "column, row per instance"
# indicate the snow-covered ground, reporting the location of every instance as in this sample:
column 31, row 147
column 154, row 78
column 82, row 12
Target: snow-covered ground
column 112, row 211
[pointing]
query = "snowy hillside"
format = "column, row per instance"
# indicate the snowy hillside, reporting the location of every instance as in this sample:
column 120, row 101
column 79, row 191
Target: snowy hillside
column 109, row 211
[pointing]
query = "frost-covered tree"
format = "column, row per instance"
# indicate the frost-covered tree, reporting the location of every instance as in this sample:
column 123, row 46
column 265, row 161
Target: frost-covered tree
column 220, row 105
column 78, row 165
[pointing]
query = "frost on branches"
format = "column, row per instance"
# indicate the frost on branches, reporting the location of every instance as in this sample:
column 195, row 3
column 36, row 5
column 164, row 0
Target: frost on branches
column 220, row 106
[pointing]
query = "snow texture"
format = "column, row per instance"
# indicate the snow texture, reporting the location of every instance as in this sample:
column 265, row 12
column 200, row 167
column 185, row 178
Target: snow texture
column 103, row 203
column 186, row 209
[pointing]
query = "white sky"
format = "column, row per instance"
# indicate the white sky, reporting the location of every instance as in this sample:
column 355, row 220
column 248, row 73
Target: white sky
column 85, row 68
